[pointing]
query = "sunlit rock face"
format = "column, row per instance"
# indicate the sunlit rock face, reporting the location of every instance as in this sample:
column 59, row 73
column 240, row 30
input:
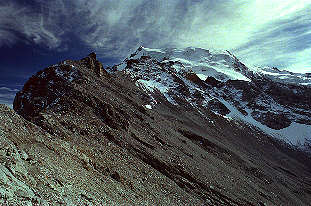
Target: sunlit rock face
column 163, row 127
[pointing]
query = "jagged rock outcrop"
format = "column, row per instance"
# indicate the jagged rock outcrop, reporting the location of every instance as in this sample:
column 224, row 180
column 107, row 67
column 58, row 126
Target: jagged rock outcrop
column 216, row 106
column 44, row 89
column 213, row 82
column 95, row 65
column 80, row 138
column 195, row 79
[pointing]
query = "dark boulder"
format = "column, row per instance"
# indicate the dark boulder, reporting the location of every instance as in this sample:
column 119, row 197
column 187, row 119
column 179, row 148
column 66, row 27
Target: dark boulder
column 273, row 120
column 195, row 79
column 216, row 106
column 213, row 82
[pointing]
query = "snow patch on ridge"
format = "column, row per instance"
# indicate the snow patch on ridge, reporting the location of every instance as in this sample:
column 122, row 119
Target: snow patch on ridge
column 148, row 106
column 153, row 50
column 282, row 76
column 151, row 86
column 68, row 75
column 296, row 134
column 202, row 76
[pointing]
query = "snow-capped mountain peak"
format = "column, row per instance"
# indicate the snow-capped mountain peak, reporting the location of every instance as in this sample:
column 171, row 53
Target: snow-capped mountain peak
column 276, row 102
column 221, row 65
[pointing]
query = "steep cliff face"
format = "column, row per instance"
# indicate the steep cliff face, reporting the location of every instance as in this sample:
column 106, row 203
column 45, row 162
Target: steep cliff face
column 142, row 135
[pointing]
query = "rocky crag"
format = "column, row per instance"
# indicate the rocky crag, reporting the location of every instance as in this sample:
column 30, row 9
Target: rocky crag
column 81, row 135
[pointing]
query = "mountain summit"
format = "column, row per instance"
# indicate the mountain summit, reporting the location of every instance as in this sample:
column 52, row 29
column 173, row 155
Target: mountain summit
column 164, row 127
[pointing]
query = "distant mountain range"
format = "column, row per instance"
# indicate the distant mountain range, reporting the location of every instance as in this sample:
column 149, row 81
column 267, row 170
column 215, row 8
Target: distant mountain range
column 164, row 127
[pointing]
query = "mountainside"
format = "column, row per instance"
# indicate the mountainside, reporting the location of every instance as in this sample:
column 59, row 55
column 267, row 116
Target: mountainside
column 279, row 103
column 164, row 127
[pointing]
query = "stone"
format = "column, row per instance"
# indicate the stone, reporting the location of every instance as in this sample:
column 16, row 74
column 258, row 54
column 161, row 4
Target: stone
column 216, row 106
column 99, row 69
column 213, row 82
column 92, row 55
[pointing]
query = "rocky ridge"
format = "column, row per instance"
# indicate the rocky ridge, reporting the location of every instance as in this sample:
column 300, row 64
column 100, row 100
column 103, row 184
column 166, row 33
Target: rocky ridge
column 81, row 135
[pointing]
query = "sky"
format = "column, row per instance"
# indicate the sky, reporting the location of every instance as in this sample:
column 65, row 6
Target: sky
column 37, row 33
